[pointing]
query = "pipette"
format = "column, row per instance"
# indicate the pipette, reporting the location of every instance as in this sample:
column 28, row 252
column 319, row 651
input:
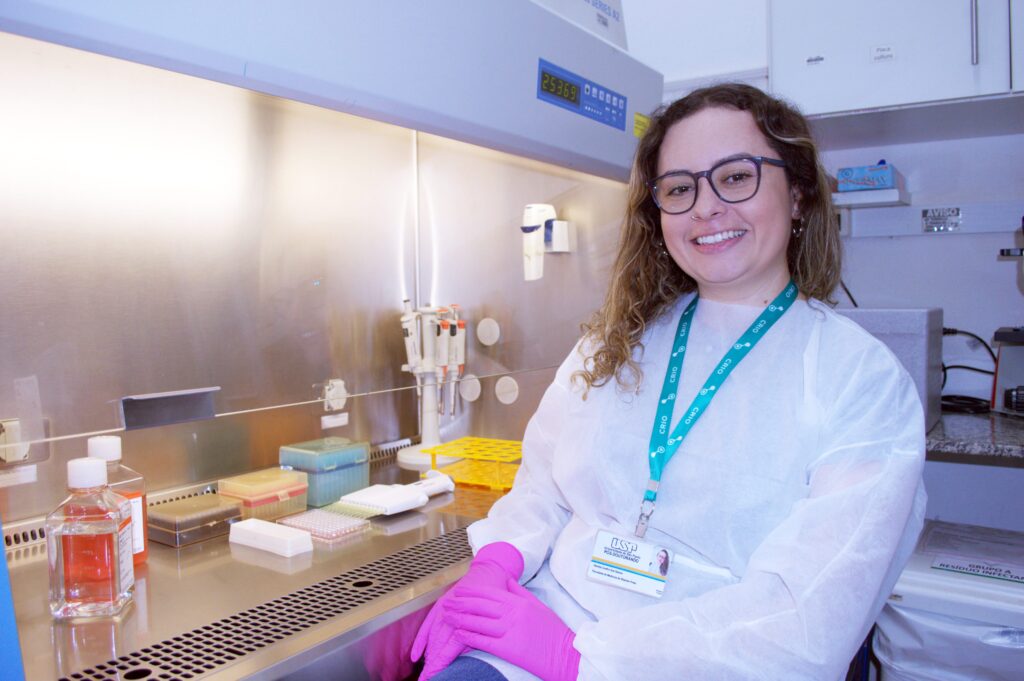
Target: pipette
column 409, row 334
column 453, row 364
column 441, row 360
column 457, row 353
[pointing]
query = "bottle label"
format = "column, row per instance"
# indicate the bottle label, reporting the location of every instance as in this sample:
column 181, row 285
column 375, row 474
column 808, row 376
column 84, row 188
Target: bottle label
column 137, row 523
column 126, row 569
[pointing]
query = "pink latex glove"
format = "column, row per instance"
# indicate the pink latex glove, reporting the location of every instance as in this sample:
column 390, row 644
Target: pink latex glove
column 514, row 625
column 494, row 565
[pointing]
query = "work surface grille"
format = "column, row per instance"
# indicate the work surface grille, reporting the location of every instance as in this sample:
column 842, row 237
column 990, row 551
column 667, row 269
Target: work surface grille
column 209, row 648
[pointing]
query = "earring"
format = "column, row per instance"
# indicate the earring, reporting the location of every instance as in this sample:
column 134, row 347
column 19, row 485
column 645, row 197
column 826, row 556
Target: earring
column 661, row 251
column 799, row 229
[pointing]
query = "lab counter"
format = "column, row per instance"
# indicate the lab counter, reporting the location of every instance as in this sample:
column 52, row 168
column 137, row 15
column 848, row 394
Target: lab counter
column 216, row 610
column 983, row 439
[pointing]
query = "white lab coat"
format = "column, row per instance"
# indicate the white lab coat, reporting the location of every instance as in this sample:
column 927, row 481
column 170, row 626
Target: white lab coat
column 791, row 507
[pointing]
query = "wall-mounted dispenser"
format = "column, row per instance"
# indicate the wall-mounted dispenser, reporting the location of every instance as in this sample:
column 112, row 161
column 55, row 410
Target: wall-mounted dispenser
column 542, row 231
column 534, row 217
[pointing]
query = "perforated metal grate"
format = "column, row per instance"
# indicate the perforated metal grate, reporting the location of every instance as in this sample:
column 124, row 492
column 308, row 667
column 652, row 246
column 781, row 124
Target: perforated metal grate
column 200, row 651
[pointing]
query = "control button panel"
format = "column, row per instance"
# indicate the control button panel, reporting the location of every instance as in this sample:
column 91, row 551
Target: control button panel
column 568, row 90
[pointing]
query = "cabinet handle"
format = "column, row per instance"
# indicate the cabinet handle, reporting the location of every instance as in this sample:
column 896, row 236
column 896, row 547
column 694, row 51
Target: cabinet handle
column 974, row 32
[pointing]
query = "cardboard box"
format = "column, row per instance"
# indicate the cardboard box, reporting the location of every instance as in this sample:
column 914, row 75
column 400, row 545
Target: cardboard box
column 859, row 178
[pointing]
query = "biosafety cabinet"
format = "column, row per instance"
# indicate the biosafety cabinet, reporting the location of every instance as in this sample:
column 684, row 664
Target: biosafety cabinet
column 236, row 197
column 470, row 71
column 241, row 195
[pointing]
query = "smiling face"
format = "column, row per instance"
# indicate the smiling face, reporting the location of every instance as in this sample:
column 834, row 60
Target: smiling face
column 736, row 252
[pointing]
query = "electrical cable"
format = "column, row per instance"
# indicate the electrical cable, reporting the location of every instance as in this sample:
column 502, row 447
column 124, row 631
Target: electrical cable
column 847, row 292
column 975, row 369
column 946, row 367
column 964, row 404
column 947, row 331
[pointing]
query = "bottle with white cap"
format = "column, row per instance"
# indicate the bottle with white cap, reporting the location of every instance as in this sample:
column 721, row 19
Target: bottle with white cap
column 89, row 546
column 130, row 485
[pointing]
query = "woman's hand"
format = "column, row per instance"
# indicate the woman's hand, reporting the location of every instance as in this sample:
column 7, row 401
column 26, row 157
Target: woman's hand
column 511, row 623
column 494, row 565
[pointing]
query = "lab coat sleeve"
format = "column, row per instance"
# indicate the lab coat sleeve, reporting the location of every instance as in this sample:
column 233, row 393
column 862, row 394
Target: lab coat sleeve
column 533, row 513
column 815, row 584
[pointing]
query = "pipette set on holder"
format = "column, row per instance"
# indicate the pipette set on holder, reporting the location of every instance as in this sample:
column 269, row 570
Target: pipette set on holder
column 435, row 350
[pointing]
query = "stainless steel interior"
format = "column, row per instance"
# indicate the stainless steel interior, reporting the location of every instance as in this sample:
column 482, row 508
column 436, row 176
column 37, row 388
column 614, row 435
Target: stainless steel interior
column 163, row 232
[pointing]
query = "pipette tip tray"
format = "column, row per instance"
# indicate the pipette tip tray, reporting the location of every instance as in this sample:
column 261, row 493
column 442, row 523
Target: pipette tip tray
column 280, row 539
column 267, row 494
column 335, row 466
column 193, row 519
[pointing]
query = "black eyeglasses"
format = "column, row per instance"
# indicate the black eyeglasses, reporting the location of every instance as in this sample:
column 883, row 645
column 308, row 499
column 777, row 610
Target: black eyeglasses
column 733, row 180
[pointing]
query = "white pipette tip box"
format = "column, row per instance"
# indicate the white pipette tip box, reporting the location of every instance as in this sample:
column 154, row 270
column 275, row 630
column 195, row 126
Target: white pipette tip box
column 279, row 539
column 326, row 526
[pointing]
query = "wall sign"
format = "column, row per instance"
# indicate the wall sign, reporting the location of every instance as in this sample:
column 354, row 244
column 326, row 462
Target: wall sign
column 940, row 219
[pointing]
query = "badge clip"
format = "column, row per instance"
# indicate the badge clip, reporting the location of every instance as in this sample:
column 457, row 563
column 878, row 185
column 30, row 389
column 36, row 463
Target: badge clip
column 646, row 509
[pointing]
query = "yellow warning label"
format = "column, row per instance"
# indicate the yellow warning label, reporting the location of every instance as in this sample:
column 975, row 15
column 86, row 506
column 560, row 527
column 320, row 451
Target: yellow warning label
column 640, row 124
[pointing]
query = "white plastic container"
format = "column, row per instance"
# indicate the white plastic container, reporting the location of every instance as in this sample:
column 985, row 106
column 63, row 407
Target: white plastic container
column 267, row 536
column 943, row 625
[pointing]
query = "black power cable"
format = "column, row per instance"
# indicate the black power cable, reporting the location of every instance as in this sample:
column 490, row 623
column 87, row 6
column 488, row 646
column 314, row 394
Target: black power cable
column 947, row 331
column 847, row 292
column 974, row 369
column 965, row 404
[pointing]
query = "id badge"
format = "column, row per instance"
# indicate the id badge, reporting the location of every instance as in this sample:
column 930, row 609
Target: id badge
column 629, row 563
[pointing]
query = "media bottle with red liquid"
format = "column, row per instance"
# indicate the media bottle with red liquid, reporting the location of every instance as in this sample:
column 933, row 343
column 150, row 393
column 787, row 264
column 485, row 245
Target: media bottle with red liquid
column 89, row 546
column 130, row 485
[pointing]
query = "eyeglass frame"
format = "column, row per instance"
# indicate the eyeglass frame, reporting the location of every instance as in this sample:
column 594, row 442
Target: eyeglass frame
column 758, row 162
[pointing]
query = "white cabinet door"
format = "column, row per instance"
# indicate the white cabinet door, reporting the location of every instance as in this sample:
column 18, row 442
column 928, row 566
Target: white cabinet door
column 1017, row 43
column 839, row 56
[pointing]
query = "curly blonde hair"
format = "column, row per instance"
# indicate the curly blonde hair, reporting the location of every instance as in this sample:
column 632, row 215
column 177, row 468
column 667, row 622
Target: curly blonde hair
column 646, row 281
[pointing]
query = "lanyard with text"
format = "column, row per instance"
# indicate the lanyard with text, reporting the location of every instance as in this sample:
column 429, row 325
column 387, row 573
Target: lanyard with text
column 664, row 446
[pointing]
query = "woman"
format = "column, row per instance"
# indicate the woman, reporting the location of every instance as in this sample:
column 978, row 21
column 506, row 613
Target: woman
column 718, row 408
column 661, row 564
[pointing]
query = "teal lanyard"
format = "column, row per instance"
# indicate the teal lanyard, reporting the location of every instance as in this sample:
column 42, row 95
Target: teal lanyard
column 663, row 445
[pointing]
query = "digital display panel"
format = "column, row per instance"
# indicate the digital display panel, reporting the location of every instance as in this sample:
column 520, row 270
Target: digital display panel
column 560, row 87
column 567, row 90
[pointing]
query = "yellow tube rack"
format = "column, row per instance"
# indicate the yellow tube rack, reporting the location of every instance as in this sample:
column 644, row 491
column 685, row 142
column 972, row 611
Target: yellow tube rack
column 486, row 462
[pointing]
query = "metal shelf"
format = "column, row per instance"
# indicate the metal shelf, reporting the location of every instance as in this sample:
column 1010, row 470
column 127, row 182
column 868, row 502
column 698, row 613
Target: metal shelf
column 871, row 198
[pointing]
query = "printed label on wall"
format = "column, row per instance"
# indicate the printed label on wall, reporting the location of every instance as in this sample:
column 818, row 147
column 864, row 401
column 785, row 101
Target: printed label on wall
column 940, row 219
column 882, row 54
